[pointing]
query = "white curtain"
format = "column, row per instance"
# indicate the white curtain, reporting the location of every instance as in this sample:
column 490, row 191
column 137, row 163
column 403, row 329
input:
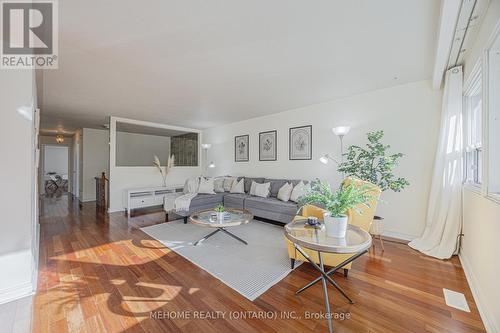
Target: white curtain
column 444, row 212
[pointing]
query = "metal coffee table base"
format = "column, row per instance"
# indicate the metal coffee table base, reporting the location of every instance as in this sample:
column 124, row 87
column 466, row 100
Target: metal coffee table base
column 216, row 231
column 325, row 277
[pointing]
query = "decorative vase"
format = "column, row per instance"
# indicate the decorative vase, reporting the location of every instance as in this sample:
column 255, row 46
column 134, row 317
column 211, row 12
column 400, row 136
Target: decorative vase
column 336, row 226
column 377, row 226
column 220, row 216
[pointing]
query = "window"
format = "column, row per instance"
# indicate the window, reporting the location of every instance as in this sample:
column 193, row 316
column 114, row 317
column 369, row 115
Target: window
column 493, row 120
column 473, row 114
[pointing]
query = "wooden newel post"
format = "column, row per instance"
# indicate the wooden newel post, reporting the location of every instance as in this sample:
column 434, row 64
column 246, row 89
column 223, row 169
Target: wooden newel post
column 101, row 191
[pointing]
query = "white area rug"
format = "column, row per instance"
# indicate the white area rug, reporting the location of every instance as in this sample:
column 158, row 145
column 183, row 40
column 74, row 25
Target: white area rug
column 249, row 269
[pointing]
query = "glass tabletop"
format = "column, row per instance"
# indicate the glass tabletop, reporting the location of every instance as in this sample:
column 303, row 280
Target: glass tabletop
column 315, row 238
column 232, row 217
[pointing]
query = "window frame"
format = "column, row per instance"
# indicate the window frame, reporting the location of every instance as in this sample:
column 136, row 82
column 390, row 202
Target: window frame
column 482, row 65
column 486, row 115
column 474, row 82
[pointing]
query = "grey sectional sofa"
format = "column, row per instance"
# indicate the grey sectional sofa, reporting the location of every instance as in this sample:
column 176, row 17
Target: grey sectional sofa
column 268, row 208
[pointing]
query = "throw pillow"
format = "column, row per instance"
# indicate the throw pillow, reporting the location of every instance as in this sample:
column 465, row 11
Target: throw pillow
column 238, row 186
column 299, row 190
column 219, row 185
column 191, row 185
column 285, row 192
column 252, row 188
column 262, row 190
column 206, row 186
column 228, row 183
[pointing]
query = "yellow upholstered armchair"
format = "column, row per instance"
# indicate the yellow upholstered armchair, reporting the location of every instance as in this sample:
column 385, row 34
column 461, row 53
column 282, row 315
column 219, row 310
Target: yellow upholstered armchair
column 363, row 220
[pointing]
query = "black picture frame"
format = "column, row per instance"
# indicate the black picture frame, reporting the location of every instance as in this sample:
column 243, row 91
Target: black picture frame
column 238, row 139
column 292, row 155
column 275, row 144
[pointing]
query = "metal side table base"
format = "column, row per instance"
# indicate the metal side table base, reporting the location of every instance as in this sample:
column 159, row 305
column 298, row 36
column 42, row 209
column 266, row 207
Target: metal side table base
column 355, row 243
column 325, row 294
column 330, row 272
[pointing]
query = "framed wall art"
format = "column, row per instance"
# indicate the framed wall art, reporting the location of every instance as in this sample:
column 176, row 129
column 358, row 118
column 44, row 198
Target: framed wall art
column 300, row 143
column 268, row 150
column 241, row 148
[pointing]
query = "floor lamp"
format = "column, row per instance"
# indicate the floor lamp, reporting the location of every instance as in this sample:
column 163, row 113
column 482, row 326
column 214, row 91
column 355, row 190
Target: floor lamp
column 339, row 131
column 206, row 147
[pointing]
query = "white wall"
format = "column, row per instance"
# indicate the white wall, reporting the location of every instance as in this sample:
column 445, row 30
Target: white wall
column 480, row 245
column 56, row 159
column 16, row 176
column 95, row 160
column 479, row 255
column 134, row 149
column 409, row 114
column 123, row 178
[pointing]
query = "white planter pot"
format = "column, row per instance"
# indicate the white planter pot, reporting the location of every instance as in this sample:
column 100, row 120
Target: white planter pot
column 335, row 226
column 377, row 227
column 220, row 216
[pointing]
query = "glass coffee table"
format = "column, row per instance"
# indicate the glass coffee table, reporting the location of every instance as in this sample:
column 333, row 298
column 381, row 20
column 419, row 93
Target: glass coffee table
column 356, row 242
column 208, row 218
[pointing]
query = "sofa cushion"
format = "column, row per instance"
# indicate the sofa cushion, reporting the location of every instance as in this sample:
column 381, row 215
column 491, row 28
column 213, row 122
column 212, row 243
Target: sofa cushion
column 228, row 183
column 285, row 192
column 206, row 199
column 271, row 205
column 276, row 184
column 235, row 200
column 238, row 186
column 248, row 182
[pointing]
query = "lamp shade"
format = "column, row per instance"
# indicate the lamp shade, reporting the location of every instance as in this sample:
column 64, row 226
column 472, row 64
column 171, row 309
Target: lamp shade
column 341, row 130
column 206, row 145
column 324, row 159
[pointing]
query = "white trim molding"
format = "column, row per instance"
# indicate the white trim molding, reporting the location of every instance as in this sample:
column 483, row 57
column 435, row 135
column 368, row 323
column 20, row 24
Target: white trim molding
column 398, row 235
column 18, row 282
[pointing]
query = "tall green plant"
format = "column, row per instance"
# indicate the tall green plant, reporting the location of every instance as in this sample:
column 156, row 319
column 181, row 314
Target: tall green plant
column 338, row 202
column 374, row 164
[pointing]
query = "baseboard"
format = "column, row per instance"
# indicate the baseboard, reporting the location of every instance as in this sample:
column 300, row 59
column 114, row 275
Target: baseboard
column 87, row 200
column 115, row 210
column 475, row 287
column 397, row 235
column 16, row 292
column 16, row 278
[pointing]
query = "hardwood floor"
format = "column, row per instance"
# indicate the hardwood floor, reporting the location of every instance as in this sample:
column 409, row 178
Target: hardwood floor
column 99, row 273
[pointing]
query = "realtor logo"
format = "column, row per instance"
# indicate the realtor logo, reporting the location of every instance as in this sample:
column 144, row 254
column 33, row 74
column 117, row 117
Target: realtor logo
column 29, row 35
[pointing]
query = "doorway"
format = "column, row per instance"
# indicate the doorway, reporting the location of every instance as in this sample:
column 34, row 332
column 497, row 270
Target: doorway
column 55, row 170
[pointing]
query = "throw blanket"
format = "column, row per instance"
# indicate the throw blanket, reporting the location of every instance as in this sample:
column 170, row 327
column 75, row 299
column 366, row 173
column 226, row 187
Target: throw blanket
column 178, row 201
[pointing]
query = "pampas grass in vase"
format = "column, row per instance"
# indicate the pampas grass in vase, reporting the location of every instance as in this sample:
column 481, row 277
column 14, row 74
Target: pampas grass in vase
column 170, row 165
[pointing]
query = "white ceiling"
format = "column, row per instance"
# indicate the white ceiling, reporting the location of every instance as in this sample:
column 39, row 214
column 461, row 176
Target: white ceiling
column 199, row 63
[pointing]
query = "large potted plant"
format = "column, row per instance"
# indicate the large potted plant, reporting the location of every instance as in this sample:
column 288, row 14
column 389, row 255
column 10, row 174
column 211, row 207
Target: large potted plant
column 374, row 164
column 336, row 204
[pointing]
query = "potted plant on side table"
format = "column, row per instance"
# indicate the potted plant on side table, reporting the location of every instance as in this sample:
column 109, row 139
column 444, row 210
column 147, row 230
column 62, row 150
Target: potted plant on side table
column 374, row 164
column 336, row 204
